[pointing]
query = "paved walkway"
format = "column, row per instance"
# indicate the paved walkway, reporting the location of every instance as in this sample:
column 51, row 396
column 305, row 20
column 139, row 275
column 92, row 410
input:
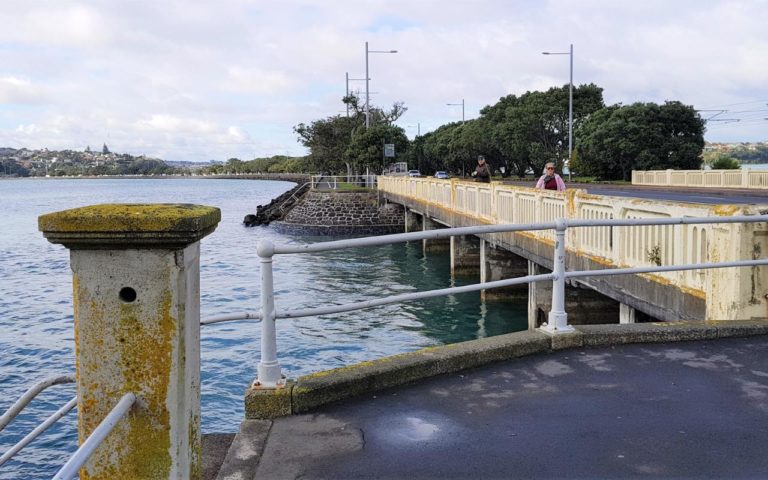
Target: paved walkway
column 679, row 410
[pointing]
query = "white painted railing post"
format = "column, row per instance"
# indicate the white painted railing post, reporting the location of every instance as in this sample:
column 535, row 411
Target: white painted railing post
column 269, row 375
column 557, row 322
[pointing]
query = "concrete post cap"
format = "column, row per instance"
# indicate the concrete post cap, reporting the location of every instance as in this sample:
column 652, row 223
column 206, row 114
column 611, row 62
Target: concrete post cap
column 129, row 226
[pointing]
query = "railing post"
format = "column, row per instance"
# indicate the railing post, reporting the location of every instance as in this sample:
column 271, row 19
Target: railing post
column 269, row 375
column 136, row 282
column 557, row 322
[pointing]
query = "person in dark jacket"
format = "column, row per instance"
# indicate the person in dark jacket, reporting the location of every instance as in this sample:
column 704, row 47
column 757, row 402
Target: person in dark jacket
column 482, row 172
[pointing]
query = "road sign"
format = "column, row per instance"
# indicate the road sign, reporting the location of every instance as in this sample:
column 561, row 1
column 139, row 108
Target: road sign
column 389, row 149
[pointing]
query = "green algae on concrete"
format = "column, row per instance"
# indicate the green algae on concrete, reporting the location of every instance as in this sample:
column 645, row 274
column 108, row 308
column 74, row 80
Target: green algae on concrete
column 318, row 389
column 116, row 226
column 268, row 403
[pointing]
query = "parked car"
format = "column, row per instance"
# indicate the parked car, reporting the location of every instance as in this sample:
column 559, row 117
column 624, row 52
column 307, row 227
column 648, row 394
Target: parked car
column 414, row 173
column 441, row 174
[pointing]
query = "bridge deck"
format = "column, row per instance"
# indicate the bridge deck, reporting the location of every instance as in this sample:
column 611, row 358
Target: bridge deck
column 709, row 196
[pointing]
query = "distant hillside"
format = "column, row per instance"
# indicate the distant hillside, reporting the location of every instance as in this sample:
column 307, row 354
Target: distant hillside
column 25, row 162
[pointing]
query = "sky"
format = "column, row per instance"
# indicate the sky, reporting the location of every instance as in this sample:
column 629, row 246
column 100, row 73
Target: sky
column 193, row 80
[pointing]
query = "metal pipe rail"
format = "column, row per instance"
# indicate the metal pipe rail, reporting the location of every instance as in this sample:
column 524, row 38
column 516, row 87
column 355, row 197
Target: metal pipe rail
column 269, row 372
column 29, row 395
column 73, row 465
column 38, row 430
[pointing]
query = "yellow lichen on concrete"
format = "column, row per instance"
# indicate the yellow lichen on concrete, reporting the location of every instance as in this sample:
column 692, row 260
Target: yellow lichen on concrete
column 131, row 218
column 143, row 353
column 726, row 210
column 269, row 403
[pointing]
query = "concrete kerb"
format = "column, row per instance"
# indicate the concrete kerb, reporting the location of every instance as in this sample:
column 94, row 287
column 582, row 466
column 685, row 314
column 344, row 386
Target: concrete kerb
column 311, row 391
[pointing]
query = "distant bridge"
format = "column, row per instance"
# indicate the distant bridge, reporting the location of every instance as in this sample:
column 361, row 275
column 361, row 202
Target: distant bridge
column 723, row 294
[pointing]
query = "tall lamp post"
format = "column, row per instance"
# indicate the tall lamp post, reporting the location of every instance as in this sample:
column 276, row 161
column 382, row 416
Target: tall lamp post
column 570, row 108
column 348, row 79
column 462, row 108
column 367, row 79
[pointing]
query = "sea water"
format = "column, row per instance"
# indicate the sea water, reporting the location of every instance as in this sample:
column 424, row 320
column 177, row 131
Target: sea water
column 36, row 316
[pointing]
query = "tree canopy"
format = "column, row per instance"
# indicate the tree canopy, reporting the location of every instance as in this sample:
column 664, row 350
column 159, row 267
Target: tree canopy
column 517, row 135
column 642, row 136
column 342, row 143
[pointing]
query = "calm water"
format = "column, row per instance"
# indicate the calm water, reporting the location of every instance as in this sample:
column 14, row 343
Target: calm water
column 36, row 303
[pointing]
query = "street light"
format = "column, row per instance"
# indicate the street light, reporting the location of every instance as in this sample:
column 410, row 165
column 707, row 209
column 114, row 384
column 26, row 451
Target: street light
column 570, row 108
column 348, row 79
column 418, row 128
column 462, row 108
column 367, row 79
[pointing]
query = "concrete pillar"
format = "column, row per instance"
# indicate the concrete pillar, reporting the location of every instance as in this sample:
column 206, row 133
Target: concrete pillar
column 435, row 245
column 499, row 264
column 136, row 283
column 539, row 297
column 412, row 221
column 584, row 305
column 465, row 255
column 626, row 314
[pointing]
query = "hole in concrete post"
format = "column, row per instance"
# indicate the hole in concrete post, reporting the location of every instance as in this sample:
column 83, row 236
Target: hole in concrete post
column 127, row 294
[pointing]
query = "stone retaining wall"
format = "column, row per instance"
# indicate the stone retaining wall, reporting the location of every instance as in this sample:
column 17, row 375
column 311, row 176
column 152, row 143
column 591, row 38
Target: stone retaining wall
column 339, row 213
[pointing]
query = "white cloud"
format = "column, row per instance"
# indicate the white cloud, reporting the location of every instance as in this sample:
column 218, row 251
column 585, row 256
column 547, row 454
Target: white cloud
column 212, row 80
column 258, row 81
column 15, row 90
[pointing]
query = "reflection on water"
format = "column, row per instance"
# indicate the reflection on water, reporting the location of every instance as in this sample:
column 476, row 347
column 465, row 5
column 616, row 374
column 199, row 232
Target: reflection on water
column 36, row 303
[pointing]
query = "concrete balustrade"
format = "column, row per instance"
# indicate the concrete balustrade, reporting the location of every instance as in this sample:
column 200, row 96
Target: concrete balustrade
column 136, row 286
column 725, row 293
column 743, row 178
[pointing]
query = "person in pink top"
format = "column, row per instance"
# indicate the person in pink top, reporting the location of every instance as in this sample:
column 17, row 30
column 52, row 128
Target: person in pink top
column 550, row 180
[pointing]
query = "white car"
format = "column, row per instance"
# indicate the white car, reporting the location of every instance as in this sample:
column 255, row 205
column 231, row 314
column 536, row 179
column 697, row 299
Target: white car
column 441, row 174
column 414, row 173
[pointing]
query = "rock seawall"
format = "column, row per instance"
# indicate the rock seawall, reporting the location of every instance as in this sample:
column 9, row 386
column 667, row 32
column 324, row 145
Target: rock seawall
column 277, row 208
column 340, row 213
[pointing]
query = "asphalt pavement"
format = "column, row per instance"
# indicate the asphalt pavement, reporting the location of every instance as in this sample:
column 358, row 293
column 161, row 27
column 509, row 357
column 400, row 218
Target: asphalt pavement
column 729, row 196
column 680, row 410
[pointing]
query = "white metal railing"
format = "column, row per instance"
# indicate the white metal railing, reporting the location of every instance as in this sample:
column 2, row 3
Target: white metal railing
column 70, row 469
column 269, row 371
column 97, row 436
column 332, row 182
column 23, row 401
column 743, row 178
column 30, row 394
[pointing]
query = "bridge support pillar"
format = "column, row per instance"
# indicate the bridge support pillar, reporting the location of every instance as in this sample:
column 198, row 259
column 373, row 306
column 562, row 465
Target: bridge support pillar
column 626, row 314
column 136, row 282
column 499, row 264
column 584, row 305
column 412, row 221
column 465, row 255
column 435, row 245
column 539, row 297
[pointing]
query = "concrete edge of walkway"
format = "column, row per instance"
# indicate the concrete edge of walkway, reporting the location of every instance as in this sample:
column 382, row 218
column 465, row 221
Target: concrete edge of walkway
column 317, row 389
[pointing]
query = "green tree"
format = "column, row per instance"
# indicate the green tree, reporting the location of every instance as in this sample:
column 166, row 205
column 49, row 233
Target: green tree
column 642, row 136
column 367, row 147
column 530, row 130
column 329, row 139
column 722, row 161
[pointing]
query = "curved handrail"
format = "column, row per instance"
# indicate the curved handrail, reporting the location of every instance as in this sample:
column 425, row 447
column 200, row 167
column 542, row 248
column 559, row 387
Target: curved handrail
column 38, row 430
column 29, row 395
